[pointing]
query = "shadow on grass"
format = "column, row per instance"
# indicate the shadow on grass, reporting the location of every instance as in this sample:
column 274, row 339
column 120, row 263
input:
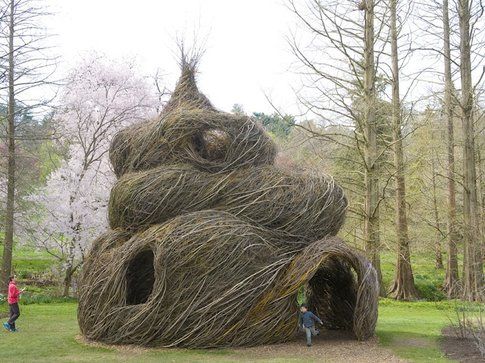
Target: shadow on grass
column 415, row 347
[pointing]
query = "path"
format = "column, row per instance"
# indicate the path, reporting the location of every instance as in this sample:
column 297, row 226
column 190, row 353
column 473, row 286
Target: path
column 330, row 346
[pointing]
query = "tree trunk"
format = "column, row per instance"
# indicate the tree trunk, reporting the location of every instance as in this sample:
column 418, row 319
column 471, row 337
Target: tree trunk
column 403, row 287
column 371, row 219
column 451, row 285
column 472, row 261
column 67, row 280
column 437, row 245
column 70, row 261
column 9, row 216
column 480, row 190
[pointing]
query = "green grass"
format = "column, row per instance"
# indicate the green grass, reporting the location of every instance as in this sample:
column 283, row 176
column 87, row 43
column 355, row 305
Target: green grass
column 48, row 334
column 413, row 330
column 29, row 263
column 34, row 269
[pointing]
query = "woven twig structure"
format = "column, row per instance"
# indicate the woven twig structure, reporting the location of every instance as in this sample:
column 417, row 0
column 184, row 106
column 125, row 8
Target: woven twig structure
column 211, row 243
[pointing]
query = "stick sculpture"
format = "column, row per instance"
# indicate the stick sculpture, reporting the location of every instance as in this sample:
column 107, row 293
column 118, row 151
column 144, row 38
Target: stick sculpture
column 211, row 243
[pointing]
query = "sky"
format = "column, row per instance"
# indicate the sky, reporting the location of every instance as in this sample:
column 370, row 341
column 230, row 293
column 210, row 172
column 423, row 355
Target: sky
column 247, row 58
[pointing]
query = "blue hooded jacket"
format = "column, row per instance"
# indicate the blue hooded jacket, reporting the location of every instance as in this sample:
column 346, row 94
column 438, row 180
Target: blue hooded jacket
column 307, row 319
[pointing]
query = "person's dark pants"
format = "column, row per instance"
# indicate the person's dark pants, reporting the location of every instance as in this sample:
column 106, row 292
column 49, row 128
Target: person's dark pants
column 14, row 314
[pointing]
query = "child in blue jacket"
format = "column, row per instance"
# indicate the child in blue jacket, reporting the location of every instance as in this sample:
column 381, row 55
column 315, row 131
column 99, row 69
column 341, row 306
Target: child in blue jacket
column 307, row 322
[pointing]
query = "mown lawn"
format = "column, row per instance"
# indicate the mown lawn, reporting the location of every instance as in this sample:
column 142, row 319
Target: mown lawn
column 410, row 330
column 29, row 263
column 48, row 334
column 413, row 330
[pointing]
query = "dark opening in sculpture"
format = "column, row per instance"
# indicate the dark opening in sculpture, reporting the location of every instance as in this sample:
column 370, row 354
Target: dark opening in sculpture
column 227, row 238
column 140, row 278
column 332, row 293
column 212, row 144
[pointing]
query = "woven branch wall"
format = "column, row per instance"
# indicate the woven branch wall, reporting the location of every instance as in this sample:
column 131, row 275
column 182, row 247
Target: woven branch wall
column 211, row 243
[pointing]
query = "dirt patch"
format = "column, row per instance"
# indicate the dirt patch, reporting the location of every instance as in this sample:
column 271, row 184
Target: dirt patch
column 416, row 342
column 126, row 349
column 330, row 346
column 462, row 350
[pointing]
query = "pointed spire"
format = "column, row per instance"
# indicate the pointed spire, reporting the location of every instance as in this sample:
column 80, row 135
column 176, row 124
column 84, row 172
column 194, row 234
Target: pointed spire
column 186, row 94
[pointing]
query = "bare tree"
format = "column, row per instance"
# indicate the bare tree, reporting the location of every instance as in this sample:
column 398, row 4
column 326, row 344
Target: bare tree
column 162, row 91
column 9, row 212
column 473, row 265
column 27, row 68
column 437, row 222
column 451, row 278
column 462, row 35
column 338, row 64
column 403, row 287
column 371, row 216
column 4, row 16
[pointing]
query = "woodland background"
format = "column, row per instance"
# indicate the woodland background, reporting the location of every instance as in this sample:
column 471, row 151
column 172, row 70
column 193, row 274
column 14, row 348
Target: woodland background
column 392, row 106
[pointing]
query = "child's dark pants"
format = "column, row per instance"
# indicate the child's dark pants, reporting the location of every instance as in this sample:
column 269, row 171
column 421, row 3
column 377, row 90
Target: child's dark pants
column 14, row 314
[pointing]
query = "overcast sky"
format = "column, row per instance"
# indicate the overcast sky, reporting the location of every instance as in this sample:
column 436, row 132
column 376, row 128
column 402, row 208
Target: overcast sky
column 246, row 52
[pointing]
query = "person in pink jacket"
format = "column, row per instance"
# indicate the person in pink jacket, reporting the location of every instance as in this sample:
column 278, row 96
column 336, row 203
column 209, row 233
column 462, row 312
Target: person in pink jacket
column 13, row 302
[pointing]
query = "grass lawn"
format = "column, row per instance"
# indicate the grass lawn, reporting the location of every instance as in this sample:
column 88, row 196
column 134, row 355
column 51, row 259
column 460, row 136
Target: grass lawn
column 413, row 330
column 410, row 330
column 48, row 334
column 28, row 262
